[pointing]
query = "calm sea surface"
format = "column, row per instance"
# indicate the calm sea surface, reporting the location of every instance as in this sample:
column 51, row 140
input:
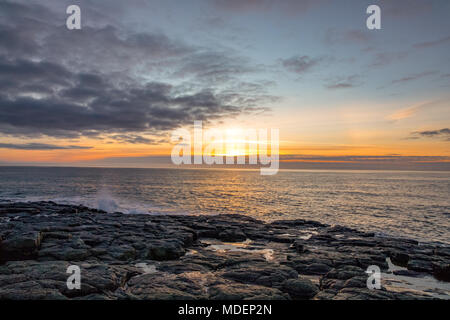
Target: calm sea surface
column 408, row 204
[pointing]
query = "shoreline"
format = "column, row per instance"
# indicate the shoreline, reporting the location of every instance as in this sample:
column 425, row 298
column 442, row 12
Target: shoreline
column 139, row 210
column 158, row 257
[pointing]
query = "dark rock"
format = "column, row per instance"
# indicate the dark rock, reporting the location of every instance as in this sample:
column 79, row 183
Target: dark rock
column 20, row 246
column 281, row 238
column 29, row 290
column 260, row 273
column 165, row 250
column 239, row 291
column 407, row 273
column 315, row 268
column 178, row 267
column 399, row 259
column 64, row 253
column 442, row 251
column 206, row 231
column 102, row 277
column 340, row 229
column 56, row 235
column 299, row 246
column 363, row 294
column 358, row 242
column 7, row 279
column 368, row 260
column 300, row 288
column 345, row 272
column 232, row 235
column 356, row 282
column 166, row 257
column 420, row 266
column 165, row 287
column 323, row 237
column 442, row 272
column 26, row 210
column 123, row 252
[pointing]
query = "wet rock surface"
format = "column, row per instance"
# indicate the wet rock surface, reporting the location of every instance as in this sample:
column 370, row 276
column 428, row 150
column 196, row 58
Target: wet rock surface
column 205, row 257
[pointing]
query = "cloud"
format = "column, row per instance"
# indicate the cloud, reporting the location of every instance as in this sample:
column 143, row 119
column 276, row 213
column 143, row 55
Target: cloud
column 340, row 85
column 343, row 82
column 54, row 101
column 408, row 8
column 441, row 134
column 385, row 58
column 403, row 113
column 242, row 5
column 214, row 67
column 40, row 146
column 115, row 49
column 354, row 36
column 133, row 139
column 432, row 43
column 414, row 77
column 100, row 80
column 300, row 64
column 287, row 7
column 30, row 30
column 411, row 111
column 81, row 109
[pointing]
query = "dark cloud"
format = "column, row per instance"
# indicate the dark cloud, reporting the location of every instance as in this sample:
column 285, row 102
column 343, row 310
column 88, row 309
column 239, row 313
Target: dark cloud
column 432, row 43
column 109, row 48
column 408, row 8
column 287, row 7
column 354, row 36
column 440, row 134
column 88, row 104
column 214, row 67
column 344, row 82
column 300, row 64
column 40, row 146
column 114, row 49
column 99, row 81
column 133, row 139
column 381, row 59
column 340, row 85
column 414, row 77
column 24, row 76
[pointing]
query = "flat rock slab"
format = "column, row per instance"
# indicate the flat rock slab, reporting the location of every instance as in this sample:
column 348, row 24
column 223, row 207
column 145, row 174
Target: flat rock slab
column 200, row 257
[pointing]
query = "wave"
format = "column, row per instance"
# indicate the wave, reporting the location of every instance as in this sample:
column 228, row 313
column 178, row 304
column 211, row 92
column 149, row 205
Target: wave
column 103, row 200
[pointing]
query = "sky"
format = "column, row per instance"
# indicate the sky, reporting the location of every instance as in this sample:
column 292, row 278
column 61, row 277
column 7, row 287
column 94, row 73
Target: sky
column 112, row 93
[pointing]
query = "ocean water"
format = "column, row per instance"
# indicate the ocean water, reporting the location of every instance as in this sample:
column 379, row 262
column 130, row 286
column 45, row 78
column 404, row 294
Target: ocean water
column 404, row 204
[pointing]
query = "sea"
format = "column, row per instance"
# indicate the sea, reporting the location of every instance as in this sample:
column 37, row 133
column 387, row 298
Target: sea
column 411, row 204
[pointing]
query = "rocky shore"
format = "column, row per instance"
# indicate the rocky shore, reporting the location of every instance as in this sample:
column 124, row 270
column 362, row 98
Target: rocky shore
column 205, row 257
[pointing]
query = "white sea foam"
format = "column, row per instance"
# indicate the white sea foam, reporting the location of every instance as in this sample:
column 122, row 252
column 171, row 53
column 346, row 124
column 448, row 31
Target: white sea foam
column 107, row 202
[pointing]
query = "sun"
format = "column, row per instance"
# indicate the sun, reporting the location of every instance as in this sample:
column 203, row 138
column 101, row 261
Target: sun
column 232, row 142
